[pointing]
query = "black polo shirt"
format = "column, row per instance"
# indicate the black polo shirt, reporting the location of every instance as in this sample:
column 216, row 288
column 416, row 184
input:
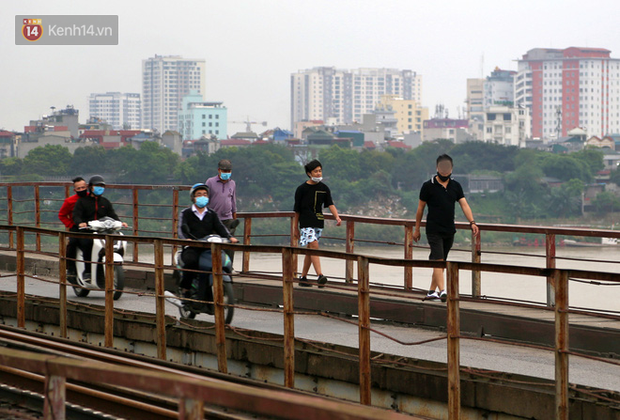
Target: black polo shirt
column 440, row 202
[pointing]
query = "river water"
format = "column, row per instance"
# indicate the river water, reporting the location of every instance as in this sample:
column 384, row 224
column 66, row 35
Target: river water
column 605, row 297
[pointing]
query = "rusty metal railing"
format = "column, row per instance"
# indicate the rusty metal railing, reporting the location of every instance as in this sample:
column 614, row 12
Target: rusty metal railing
column 131, row 210
column 560, row 277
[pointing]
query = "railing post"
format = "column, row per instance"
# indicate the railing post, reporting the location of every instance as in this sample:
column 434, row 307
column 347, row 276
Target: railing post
column 135, row 222
column 454, row 329
column 218, row 307
column 160, row 306
column 62, row 281
column 37, row 216
column 550, row 259
column 190, row 409
column 247, row 231
column 288, row 274
column 363, row 310
column 350, row 249
column 476, row 257
column 408, row 256
column 9, row 197
column 21, row 284
column 561, row 345
column 175, row 220
column 294, row 243
column 109, row 291
column 55, row 392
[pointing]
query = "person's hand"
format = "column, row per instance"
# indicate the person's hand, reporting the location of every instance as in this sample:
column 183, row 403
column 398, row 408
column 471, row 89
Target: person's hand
column 416, row 235
column 125, row 225
column 233, row 240
column 83, row 224
column 338, row 221
column 475, row 229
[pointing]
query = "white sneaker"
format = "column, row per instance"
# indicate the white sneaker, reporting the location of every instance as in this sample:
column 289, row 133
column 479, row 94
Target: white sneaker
column 432, row 296
column 443, row 296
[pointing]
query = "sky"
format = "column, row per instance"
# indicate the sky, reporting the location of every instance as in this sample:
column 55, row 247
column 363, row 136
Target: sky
column 251, row 47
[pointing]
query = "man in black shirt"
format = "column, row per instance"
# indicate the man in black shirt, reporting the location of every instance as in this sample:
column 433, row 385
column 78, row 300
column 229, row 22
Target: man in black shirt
column 310, row 198
column 199, row 221
column 440, row 193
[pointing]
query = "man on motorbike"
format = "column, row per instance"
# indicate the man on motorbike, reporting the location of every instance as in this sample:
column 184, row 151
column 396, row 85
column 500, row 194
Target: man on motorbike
column 199, row 222
column 92, row 207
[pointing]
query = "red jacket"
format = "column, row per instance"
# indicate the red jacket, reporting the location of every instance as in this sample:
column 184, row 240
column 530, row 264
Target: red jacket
column 65, row 214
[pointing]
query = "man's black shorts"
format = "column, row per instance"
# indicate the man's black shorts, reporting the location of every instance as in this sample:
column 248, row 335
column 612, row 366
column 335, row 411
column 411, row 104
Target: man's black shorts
column 440, row 246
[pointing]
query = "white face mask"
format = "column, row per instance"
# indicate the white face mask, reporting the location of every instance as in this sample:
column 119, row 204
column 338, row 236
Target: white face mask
column 317, row 179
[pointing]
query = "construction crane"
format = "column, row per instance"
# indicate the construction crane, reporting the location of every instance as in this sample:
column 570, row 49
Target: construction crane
column 248, row 124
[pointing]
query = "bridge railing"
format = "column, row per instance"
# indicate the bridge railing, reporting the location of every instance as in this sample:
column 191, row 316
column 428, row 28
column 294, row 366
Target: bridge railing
column 364, row 292
column 37, row 204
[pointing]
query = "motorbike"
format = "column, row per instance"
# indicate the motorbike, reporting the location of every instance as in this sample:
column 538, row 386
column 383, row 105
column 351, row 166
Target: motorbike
column 202, row 285
column 103, row 226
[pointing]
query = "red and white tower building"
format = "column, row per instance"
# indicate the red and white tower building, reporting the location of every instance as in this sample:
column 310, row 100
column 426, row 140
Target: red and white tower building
column 570, row 88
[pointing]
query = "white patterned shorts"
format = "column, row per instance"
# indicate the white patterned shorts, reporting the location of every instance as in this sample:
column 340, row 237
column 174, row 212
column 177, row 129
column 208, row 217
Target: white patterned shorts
column 309, row 234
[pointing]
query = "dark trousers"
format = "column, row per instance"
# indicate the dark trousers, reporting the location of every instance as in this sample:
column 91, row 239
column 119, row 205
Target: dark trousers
column 228, row 223
column 190, row 257
column 86, row 245
column 72, row 251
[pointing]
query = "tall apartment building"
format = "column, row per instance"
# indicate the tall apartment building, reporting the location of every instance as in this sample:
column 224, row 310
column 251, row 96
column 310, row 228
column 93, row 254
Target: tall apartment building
column 165, row 81
column 409, row 113
column 123, row 111
column 474, row 107
column 343, row 96
column 569, row 88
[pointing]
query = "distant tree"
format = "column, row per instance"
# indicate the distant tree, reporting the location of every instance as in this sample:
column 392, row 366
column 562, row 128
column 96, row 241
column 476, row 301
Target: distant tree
column 606, row 202
column 565, row 167
column 565, row 200
column 89, row 160
column 477, row 155
column 342, row 163
column 50, row 160
column 591, row 156
column 11, row 166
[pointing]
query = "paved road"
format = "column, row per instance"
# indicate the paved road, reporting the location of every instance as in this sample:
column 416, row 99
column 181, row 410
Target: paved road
column 475, row 354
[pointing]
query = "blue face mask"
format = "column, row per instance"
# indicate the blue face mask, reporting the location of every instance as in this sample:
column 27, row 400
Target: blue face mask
column 98, row 190
column 202, row 201
column 225, row 176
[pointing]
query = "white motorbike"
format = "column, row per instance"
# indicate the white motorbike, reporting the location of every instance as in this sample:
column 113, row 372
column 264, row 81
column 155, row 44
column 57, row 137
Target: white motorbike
column 104, row 226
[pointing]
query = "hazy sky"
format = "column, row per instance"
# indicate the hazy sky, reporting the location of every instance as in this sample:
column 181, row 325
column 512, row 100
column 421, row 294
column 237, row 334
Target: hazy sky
column 252, row 46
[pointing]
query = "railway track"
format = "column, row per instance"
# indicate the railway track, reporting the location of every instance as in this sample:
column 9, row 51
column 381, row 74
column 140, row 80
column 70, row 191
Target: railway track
column 104, row 401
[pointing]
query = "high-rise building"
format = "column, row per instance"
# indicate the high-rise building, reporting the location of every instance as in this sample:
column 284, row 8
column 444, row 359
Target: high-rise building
column 198, row 118
column 121, row 110
column 165, row 81
column 569, row 88
column 499, row 88
column 342, row 96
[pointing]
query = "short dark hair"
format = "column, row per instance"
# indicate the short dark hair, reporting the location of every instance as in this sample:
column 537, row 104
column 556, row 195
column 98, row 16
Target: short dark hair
column 443, row 157
column 78, row 179
column 312, row 165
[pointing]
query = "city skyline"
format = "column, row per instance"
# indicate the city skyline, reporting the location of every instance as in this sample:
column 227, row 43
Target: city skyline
column 249, row 63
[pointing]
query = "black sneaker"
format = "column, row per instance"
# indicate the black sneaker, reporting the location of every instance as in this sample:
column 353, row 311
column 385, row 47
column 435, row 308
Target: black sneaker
column 303, row 282
column 321, row 280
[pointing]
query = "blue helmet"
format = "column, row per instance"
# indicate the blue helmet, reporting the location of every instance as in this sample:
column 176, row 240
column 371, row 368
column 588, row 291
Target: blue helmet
column 195, row 187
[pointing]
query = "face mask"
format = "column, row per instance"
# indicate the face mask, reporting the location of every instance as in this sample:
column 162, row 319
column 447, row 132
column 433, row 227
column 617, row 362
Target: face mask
column 82, row 193
column 98, row 190
column 443, row 178
column 225, row 176
column 202, row 201
column 317, row 179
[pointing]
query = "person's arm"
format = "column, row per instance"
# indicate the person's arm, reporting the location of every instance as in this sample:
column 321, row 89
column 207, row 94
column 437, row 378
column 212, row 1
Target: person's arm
column 468, row 215
column 332, row 208
column 418, row 220
column 111, row 213
column 78, row 215
column 220, row 229
column 180, row 233
column 234, row 202
column 65, row 214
